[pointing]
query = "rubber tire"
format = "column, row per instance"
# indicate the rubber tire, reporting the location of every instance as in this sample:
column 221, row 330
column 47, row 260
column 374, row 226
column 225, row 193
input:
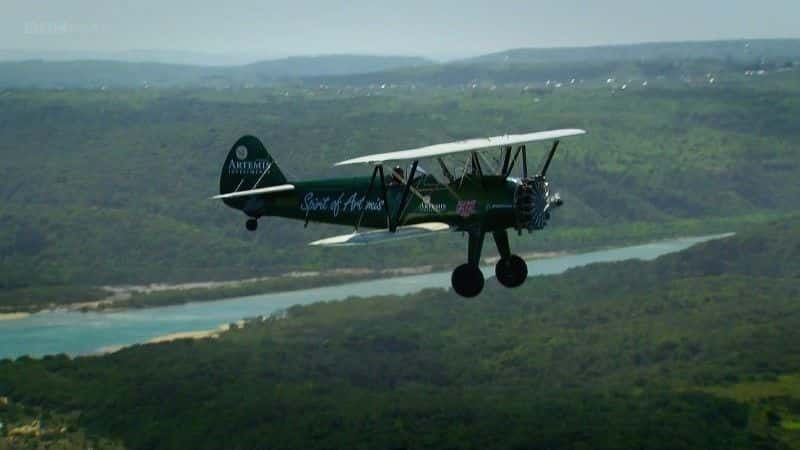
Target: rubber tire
column 511, row 272
column 467, row 280
column 251, row 224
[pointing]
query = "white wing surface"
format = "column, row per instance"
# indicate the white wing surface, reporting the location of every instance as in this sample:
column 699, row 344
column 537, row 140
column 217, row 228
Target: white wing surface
column 372, row 237
column 259, row 191
column 469, row 145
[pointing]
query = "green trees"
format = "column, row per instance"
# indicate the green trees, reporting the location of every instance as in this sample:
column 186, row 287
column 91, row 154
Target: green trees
column 607, row 356
column 128, row 172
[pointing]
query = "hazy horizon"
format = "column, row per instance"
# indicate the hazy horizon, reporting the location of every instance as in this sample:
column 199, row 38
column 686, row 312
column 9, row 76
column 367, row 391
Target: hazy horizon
column 248, row 30
column 209, row 59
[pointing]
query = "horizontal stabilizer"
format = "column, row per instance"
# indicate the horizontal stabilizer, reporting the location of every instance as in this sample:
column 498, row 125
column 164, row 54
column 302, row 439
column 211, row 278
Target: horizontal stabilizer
column 260, row 191
column 372, row 237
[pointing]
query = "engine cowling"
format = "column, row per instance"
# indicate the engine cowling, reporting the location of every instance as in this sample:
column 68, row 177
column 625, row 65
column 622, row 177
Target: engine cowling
column 532, row 203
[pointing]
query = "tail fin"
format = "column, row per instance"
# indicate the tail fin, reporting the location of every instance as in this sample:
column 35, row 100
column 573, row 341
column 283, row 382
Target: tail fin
column 248, row 166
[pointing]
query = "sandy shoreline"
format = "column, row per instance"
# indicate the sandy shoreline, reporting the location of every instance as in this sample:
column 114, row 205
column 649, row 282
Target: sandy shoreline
column 201, row 334
column 14, row 316
column 198, row 334
column 527, row 256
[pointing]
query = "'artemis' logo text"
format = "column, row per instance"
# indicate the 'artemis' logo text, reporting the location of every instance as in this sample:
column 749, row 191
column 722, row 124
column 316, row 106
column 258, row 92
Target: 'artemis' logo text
column 256, row 167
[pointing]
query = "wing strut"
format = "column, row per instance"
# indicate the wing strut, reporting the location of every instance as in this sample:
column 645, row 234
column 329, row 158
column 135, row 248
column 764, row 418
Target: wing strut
column 513, row 161
column 476, row 165
column 366, row 196
column 477, row 169
column 549, row 157
column 506, row 159
column 402, row 206
column 385, row 197
column 445, row 170
column 524, row 161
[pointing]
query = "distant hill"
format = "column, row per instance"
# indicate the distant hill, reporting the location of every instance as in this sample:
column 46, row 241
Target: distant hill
column 672, row 61
column 199, row 58
column 306, row 66
column 511, row 66
column 745, row 50
column 113, row 74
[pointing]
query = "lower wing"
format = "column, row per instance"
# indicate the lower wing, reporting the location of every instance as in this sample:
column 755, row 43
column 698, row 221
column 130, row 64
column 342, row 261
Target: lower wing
column 373, row 237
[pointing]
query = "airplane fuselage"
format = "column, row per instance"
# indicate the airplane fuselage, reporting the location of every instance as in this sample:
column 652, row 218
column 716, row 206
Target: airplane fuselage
column 485, row 201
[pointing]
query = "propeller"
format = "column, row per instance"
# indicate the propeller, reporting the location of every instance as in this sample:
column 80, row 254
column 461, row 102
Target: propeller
column 532, row 199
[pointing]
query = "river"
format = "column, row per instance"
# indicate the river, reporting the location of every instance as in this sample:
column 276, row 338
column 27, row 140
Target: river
column 76, row 333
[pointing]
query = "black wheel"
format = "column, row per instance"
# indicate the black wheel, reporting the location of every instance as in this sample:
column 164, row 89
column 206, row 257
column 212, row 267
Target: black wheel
column 251, row 224
column 512, row 271
column 467, row 280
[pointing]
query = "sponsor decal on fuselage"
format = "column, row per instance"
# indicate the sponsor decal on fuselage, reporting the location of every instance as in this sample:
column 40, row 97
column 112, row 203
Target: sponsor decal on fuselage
column 252, row 167
column 333, row 204
column 466, row 208
column 427, row 206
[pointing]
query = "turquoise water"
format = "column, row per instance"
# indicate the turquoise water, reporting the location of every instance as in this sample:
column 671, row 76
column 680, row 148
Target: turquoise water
column 78, row 333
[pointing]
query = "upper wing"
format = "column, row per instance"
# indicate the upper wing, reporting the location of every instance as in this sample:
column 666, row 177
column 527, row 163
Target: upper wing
column 259, row 191
column 469, row 145
column 372, row 237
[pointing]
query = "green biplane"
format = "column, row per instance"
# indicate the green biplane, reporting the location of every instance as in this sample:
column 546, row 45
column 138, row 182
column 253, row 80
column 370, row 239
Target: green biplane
column 476, row 195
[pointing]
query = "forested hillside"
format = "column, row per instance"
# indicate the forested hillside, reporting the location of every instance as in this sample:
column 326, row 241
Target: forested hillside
column 113, row 186
column 96, row 74
column 672, row 60
column 740, row 50
column 693, row 350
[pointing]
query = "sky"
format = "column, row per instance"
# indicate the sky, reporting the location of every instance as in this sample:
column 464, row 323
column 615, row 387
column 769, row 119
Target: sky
column 436, row 29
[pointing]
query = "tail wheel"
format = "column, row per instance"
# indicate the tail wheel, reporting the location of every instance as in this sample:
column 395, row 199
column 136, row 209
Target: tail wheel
column 251, row 224
column 467, row 280
column 511, row 271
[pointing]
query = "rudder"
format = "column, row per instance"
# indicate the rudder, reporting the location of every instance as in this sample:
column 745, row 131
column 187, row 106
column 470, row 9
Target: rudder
column 248, row 166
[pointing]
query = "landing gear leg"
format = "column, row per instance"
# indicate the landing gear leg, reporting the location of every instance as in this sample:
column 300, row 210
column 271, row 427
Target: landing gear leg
column 467, row 278
column 511, row 271
column 251, row 224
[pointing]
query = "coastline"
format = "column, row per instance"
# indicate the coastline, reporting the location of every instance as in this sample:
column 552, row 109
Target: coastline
column 200, row 334
column 144, row 296
column 14, row 315
column 213, row 333
column 125, row 297
column 106, row 333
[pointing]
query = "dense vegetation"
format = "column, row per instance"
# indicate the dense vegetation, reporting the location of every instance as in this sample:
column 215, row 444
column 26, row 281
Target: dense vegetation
column 694, row 350
column 112, row 187
column 626, row 355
